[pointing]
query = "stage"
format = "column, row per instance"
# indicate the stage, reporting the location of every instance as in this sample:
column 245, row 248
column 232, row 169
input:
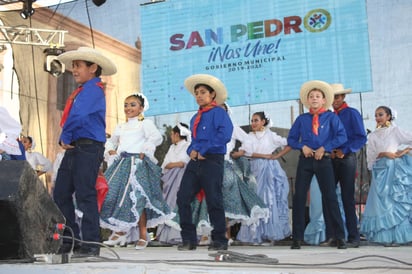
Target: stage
column 262, row 259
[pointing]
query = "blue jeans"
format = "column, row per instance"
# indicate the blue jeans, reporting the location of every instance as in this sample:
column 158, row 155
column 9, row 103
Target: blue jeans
column 206, row 174
column 77, row 174
column 323, row 170
column 345, row 172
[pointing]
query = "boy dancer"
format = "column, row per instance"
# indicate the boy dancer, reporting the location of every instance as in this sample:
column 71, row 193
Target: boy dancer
column 316, row 133
column 211, row 130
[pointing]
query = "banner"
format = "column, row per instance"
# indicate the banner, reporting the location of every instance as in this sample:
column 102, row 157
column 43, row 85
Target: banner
column 262, row 50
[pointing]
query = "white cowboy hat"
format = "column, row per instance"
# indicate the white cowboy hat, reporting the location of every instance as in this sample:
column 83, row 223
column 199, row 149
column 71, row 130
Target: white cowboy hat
column 316, row 84
column 339, row 89
column 91, row 55
column 212, row 81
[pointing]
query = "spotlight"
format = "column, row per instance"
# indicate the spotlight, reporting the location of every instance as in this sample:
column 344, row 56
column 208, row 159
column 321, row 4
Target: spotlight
column 27, row 10
column 52, row 65
column 99, row 2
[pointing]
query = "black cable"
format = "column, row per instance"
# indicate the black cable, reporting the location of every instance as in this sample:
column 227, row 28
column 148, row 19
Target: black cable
column 36, row 91
column 89, row 242
column 55, row 10
column 90, row 22
column 226, row 256
column 259, row 263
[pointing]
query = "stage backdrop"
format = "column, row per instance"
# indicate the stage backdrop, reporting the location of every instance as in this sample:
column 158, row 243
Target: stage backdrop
column 262, row 50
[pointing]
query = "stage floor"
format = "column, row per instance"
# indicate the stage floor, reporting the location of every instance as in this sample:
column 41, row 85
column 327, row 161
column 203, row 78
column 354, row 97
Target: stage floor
column 160, row 259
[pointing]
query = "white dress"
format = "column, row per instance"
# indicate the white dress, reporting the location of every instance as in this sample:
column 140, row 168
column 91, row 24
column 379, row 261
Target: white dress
column 38, row 162
column 388, row 211
column 134, row 184
column 240, row 199
column 272, row 187
column 134, row 137
column 171, row 182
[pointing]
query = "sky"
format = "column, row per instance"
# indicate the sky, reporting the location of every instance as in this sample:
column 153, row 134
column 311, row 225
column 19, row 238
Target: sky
column 117, row 18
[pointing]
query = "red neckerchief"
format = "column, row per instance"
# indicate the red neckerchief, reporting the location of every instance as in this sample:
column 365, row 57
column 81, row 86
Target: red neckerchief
column 199, row 114
column 315, row 119
column 70, row 100
column 343, row 106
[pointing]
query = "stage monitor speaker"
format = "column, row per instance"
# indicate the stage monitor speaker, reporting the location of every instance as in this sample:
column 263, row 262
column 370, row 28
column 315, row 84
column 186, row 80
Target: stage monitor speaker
column 28, row 215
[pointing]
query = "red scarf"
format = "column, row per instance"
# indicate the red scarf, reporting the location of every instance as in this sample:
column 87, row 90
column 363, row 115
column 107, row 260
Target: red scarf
column 69, row 104
column 315, row 119
column 199, row 115
column 343, row 106
column 70, row 100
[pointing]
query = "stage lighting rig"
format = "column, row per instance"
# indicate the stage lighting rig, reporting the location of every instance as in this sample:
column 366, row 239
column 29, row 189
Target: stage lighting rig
column 51, row 64
column 27, row 10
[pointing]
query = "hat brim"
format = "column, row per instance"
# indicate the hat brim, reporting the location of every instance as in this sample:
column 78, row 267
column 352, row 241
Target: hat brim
column 345, row 91
column 90, row 55
column 316, row 84
column 210, row 80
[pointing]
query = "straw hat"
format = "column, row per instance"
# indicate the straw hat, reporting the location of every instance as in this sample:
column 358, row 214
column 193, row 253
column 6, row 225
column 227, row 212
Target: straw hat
column 91, row 55
column 212, row 81
column 316, row 84
column 339, row 89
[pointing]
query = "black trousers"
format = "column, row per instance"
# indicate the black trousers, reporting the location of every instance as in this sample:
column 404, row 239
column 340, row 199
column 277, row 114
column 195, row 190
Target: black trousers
column 323, row 170
column 207, row 175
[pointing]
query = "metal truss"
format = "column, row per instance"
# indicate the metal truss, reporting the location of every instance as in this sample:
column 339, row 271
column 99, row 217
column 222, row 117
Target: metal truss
column 31, row 36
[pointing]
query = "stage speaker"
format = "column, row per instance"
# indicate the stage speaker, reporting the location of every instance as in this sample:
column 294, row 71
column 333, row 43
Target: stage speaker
column 28, row 215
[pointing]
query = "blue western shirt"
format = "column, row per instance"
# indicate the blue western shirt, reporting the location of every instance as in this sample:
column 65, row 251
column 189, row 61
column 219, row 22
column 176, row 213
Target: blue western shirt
column 331, row 132
column 213, row 132
column 87, row 115
column 353, row 123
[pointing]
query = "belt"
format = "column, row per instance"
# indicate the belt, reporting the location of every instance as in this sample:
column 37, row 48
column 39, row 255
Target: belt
column 325, row 155
column 85, row 141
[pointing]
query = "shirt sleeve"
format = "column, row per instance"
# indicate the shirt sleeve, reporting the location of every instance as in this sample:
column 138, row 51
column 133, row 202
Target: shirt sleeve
column 371, row 151
column 113, row 142
column 88, row 102
column 41, row 161
column 338, row 137
column 222, row 134
column 153, row 139
column 404, row 137
column 245, row 140
column 356, row 133
column 293, row 139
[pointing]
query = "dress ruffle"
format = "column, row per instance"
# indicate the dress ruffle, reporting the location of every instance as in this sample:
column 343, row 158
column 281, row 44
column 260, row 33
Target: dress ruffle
column 386, row 218
column 170, row 232
column 273, row 189
column 134, row 186
column 240, row 200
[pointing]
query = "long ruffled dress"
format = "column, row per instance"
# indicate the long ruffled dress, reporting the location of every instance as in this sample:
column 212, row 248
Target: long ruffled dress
column 272, row 188
column 171, row 182
column 240, row 200
column 387, row 217
column 134, row 184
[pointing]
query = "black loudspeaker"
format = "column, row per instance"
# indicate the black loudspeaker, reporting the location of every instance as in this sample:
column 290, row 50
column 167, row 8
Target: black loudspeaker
column 28, row 215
